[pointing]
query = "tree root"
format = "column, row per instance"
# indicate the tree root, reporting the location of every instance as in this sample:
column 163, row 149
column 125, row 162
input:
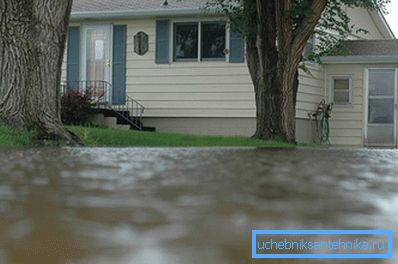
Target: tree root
column 59, row 137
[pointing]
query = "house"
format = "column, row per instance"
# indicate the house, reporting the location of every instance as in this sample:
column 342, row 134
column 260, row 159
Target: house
column 187, row 68
column 363, row 85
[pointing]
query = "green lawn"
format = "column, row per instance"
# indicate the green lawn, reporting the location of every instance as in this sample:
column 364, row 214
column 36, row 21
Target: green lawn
column 101, row 137
column 105, row 137
column 13, row 138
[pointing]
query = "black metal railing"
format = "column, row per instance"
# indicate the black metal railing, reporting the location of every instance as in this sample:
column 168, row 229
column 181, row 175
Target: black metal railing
column 100, row 93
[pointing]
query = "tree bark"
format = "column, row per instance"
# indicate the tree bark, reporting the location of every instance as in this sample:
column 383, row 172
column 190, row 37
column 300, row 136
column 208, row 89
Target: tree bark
column 273, row 57
column 262, row 56
column 32, row 44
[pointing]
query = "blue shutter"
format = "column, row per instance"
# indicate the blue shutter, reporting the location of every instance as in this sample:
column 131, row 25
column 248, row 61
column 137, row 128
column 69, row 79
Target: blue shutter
column 237, row 48
column 162, row 41
column 73, row 56
column 119, row 65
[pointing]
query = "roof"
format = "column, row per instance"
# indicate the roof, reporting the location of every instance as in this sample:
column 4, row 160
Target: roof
column 363, row 51
column 126, row 5
column 125, row 9
column 372, row 47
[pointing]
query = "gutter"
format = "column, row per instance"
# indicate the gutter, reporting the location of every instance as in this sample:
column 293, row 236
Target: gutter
column 359, row 59
column 122, row 14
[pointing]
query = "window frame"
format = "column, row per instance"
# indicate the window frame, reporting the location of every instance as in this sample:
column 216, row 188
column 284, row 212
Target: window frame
column 332, row 79
column 199, row 58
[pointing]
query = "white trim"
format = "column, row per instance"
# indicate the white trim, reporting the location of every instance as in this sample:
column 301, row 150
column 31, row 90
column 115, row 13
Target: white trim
column 365, row 106
column 228, row 41
column 200, row 41
column 332, row 78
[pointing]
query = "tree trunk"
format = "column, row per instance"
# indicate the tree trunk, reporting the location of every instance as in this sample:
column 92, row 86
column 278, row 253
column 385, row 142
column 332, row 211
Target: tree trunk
column 262, row 56
column 32, row 44
column 273, row 55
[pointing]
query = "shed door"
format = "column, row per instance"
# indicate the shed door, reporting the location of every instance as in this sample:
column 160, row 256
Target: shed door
column 381, row 124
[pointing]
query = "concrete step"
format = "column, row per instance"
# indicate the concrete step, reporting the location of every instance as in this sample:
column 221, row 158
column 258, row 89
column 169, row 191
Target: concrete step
column 108, row 118
column 110, row 122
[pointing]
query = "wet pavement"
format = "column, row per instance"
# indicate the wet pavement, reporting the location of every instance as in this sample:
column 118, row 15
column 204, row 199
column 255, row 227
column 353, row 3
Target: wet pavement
column 181, row 205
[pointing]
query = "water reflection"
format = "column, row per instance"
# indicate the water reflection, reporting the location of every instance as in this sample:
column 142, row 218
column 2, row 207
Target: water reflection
column 184, row 205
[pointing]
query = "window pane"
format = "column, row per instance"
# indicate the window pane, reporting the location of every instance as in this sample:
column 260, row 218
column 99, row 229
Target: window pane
column 341, row 84
column 381, row 111
column 186, row 41
column 341, row 90
column 341, row 97
column 381, row 82
column 213, row 40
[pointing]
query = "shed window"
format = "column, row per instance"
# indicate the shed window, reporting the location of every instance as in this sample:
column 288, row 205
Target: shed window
column 199, row 41
column 341, row 89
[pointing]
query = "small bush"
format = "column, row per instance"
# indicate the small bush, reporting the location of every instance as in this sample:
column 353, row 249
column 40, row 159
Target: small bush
column 76, row 107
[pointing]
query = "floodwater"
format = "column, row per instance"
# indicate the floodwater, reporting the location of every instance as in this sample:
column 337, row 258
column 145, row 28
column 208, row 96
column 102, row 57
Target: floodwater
column 177, row 206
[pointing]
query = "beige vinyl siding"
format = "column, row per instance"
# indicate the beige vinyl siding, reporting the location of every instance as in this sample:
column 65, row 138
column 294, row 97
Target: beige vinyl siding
column 196, row 89
column 193, row 89
column 363, row 20
column 202, row 89
column 310, row 91
column 346, row 124
column 186, row 89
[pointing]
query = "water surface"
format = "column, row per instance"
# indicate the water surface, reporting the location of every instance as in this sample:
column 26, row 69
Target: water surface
column 177, row 206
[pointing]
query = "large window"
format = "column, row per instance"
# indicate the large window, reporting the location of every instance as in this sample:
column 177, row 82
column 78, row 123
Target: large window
column 341, row 89
column 199, row 41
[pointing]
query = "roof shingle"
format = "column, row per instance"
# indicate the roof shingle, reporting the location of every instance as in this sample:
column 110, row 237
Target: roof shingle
column 372, row 47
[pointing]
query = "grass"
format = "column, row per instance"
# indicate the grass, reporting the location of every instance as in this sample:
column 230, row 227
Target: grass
column 106, row 137
column 13, row 138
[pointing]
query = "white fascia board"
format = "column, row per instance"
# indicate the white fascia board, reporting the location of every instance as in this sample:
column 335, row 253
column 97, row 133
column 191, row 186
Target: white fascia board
column 359, row 59
column 382, row 24
column 105, row 15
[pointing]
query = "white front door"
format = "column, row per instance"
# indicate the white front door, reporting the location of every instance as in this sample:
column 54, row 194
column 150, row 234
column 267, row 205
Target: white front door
column 381, row 112
column 96, row 53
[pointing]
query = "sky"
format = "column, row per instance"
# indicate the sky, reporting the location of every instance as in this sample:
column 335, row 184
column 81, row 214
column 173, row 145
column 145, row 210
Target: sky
column 392, row 16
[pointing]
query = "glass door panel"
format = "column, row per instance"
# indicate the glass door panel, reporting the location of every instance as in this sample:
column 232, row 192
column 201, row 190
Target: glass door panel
column 381, row 107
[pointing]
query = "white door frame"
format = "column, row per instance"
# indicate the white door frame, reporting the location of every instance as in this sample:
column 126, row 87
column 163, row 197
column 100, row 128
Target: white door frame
column 366, row 103
column 83, row 53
